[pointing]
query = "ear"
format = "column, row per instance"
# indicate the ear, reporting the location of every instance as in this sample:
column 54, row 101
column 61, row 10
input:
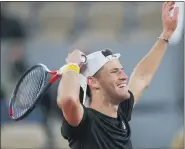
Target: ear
column 93, row 82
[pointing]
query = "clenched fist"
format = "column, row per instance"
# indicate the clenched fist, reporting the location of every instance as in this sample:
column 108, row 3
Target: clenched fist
column 74, row 57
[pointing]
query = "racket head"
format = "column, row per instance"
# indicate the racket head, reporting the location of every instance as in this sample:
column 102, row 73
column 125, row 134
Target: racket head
column 28, row 91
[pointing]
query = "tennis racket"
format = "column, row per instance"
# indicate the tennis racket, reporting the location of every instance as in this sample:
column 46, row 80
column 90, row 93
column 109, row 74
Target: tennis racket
column 30, row 88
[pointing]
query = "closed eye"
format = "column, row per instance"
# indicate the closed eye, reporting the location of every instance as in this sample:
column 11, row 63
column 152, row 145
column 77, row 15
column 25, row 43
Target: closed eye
column 115, row 70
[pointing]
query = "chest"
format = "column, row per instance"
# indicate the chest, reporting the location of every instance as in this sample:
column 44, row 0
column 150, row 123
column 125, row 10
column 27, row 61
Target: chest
column 106, row 134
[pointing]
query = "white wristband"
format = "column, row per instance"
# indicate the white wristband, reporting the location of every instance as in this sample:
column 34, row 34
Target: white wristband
column 61, row 70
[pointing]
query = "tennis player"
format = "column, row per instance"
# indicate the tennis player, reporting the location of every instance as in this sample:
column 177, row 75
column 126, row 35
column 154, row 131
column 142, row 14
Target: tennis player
column 100, row 120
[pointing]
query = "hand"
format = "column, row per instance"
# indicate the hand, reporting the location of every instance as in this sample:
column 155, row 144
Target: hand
column 74, row 57
column 169, row 22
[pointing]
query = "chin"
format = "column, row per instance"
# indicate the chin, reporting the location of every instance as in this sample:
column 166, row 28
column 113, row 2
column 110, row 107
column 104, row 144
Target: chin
column 125, row 96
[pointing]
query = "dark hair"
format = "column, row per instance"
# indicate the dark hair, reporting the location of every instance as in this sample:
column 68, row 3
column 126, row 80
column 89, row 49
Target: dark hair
column 106, row 53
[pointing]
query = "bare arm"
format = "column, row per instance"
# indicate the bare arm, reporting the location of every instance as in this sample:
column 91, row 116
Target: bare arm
column 147, row 67
column 68, row 98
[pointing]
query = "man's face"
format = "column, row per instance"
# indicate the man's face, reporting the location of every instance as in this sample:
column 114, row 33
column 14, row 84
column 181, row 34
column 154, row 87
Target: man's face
column 113, row 81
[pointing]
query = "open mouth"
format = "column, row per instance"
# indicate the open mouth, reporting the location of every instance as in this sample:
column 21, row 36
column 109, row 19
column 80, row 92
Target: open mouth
column 122, row 85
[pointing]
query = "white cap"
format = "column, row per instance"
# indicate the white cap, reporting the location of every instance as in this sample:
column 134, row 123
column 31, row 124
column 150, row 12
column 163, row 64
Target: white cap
column 95, row 61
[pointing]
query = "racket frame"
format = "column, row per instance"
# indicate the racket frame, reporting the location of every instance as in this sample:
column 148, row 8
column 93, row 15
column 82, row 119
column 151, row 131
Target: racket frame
column 55, row 76
column 41, row 94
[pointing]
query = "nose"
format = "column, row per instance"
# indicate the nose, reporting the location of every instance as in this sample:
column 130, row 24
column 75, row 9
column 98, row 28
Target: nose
column 123, row 75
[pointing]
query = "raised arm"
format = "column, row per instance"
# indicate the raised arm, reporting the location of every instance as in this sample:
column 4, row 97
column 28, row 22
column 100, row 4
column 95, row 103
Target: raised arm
column 68, row 91
column 146, row 68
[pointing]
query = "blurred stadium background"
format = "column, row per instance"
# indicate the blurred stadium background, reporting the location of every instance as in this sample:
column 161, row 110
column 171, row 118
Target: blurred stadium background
column 45, row 32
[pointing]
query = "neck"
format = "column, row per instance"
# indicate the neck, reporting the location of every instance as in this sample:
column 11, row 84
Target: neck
column 104, row 105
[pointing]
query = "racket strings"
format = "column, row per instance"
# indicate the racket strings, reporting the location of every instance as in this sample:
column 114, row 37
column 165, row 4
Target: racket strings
column 28, row 90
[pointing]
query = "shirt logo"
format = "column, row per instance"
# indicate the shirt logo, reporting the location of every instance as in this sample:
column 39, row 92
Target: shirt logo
column 123, row 125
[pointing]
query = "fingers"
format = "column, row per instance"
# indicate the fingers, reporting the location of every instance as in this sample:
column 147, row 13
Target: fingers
column 168, row 5
column 175, row 14
column 164, row 5
column 75, row 51
column 78, row 52
column 164, row 10
column 66, row 60
column 171, row 8
column 171, row 3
